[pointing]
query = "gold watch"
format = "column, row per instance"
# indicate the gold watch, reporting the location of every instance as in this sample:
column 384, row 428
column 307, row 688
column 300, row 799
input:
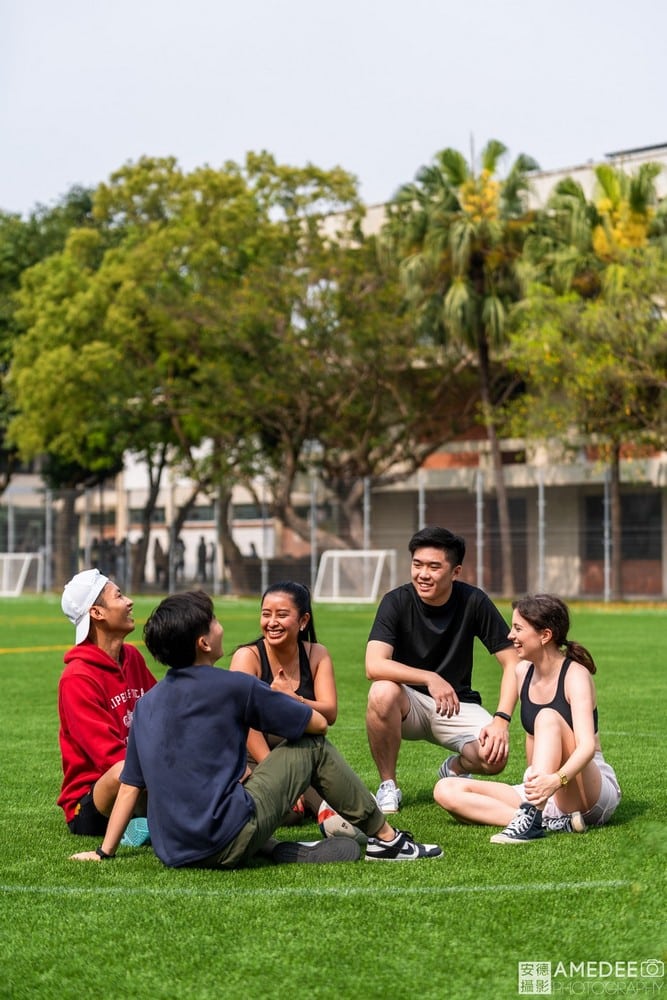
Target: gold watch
column 563, row 778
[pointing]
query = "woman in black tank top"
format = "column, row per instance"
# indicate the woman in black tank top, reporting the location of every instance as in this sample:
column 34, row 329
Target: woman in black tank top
column 288, row 657
column 559, row 703
column 567, row 783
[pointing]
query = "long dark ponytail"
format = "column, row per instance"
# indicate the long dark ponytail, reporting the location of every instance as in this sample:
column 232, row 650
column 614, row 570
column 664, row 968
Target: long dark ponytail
column 547, row 611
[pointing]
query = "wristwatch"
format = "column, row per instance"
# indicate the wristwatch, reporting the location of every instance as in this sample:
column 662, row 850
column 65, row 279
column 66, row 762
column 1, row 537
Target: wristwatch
column 103, row 854
column 563, row 779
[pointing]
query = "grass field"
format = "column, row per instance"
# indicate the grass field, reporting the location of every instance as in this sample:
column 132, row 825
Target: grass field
column 457, row 927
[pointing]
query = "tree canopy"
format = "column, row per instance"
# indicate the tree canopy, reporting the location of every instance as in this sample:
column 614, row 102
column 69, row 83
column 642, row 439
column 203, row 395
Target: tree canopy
column 215, row 309
column 459, row 235
column 590, row 340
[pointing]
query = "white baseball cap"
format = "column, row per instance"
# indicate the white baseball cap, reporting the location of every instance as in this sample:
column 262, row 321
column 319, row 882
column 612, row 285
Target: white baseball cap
column 78, row 598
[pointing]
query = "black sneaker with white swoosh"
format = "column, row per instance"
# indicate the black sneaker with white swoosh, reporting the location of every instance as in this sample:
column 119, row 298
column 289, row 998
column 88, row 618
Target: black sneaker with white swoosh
column 402, row 848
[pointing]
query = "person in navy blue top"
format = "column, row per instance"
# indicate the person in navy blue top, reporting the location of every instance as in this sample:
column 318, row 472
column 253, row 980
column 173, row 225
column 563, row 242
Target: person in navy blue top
column 187, row 750
column 567, row 785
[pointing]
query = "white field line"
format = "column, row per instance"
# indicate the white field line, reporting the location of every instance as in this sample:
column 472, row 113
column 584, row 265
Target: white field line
column 340, row 891
column 634, row 735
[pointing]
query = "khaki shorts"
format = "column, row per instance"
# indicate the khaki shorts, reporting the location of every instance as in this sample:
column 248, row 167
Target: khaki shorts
column 601, row 812
column 423, row 722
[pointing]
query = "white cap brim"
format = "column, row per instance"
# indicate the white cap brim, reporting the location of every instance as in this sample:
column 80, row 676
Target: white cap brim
column 82, row 629
column 78, row 598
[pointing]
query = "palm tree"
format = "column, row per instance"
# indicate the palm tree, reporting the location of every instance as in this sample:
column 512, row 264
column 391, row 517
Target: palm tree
column 460, row 234
column 596, row 252
column 576, row 239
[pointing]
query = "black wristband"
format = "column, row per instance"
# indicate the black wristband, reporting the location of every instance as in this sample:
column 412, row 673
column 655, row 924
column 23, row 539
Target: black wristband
column 503, row 715
column 103, row 854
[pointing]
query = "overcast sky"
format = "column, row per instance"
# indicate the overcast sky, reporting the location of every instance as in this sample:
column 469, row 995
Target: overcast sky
column 376, row 86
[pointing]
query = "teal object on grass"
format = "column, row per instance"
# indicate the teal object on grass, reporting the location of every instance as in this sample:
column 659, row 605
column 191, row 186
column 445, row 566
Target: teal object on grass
column 136, row 833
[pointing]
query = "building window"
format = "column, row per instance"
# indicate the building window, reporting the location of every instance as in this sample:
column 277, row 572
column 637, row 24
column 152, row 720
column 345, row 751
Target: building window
column 105, row 518
column 204, row 512
column 641, row 526
column 246, row 512
column 157, row 517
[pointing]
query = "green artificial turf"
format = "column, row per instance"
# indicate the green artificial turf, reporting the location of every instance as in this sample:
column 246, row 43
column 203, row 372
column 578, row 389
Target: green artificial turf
column 456, row 927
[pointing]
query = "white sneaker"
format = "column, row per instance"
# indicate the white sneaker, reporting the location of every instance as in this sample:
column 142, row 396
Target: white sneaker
column 389, row 797
column 445, row 769
column 401, row 848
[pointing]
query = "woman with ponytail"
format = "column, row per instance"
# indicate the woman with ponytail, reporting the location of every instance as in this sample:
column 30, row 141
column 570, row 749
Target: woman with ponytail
column 567, row 785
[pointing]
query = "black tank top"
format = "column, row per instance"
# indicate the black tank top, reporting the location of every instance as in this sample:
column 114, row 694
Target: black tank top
column 306, row 686
column 560, row 704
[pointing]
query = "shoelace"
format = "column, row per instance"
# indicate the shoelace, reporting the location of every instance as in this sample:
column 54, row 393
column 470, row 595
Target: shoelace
column 521, row 823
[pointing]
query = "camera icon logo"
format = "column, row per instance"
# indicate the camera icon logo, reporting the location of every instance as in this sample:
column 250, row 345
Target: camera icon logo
column 652, row 968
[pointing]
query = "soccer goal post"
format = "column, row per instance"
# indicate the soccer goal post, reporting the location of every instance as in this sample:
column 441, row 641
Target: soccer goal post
column 355, row 575
column 21, row 571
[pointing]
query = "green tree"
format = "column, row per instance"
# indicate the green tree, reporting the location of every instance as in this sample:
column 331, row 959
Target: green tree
column 116, row 342
column 576, row 238
column 395, row 398
column 460, row 235
column 332, row 364
column 592, row 326
column 24, row 242
column 67, row 385
column 216, row 314
column 164, row 325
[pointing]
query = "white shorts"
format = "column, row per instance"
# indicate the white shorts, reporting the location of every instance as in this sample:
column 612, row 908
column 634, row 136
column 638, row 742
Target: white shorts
column 597, row 815
column 423, row 722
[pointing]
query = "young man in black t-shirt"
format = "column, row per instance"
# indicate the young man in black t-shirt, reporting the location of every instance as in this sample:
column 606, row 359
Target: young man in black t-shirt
column 420, row 656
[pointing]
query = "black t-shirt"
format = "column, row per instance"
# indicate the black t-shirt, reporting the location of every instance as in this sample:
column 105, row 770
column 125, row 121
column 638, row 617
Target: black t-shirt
column 440, row 638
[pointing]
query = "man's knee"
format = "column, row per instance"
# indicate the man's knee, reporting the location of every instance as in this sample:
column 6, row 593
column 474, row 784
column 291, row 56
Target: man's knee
column 383, row 696
column 473, row 760
column 494, row 768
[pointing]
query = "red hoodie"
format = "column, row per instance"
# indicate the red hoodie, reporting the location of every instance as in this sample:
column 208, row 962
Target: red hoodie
column 96, row 699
